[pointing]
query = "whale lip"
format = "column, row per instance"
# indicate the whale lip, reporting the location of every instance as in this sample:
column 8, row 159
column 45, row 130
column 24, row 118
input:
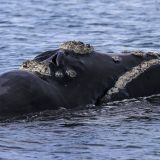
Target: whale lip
column 36, row 67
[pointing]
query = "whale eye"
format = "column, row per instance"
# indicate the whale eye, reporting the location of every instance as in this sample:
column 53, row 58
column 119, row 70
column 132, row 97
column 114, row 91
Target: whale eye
column 71, row 73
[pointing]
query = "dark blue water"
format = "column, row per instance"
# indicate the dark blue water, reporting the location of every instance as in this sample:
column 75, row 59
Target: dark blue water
column 123, row 131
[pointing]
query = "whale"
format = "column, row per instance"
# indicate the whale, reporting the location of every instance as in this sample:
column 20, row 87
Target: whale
column 75, row 75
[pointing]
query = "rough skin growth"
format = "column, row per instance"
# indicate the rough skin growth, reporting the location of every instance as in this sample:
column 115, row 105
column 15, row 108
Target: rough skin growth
column 36, row 67
column 77, row 47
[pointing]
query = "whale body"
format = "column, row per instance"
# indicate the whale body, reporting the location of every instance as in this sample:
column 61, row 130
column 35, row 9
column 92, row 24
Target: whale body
column 76, row 75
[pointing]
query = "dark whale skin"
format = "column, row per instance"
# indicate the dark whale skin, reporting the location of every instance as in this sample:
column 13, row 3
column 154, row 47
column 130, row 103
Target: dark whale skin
column 146, row 84
column 24, row 92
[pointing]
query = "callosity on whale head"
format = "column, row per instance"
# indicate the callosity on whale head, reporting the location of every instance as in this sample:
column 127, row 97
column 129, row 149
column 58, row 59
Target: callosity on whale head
column 36, row 67
column 77, row 47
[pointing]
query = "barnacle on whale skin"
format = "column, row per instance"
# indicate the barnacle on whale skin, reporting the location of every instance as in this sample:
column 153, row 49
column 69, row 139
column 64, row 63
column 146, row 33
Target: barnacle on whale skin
column 138, row 53
column 77, row 47
column 153, row 54
column 36, row 67
column 71, row 73
column 59, row 74
column 116, row 58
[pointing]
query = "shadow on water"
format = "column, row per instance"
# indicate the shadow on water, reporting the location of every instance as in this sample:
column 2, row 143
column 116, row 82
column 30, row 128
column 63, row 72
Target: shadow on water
column 143, row 108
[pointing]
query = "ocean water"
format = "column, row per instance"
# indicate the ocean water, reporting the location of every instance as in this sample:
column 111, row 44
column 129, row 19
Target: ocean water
column 128, row 130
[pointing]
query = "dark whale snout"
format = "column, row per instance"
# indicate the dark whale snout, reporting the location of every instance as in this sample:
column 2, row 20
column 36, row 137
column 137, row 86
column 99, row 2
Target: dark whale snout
column 23, row 92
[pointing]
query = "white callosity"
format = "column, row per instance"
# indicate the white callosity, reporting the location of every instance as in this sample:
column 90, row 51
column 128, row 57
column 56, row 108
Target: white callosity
column 33, row 66
column 129, row 76
column 140, row 53
column 71, row 73
column 116, row 58
column 59, row 74
column 77, row 47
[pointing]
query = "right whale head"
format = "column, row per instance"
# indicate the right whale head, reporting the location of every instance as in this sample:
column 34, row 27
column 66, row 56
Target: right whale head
column 59, row 62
